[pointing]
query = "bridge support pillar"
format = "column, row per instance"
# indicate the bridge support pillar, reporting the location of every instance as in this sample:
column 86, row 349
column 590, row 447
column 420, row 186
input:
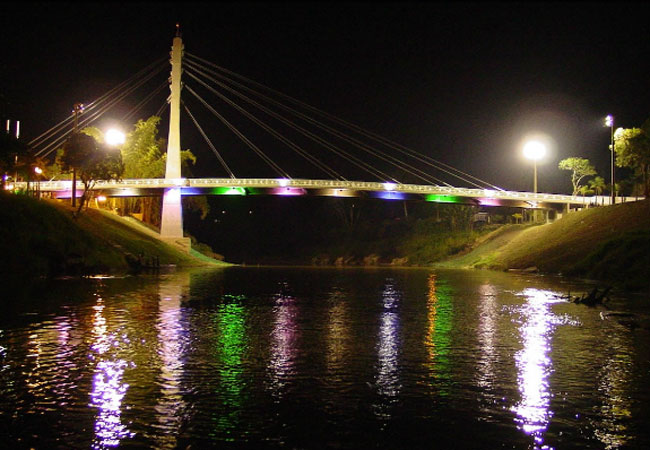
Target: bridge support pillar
column 171, row 225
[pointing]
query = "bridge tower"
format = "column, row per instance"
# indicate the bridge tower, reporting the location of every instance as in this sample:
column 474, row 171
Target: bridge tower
column 172, row 211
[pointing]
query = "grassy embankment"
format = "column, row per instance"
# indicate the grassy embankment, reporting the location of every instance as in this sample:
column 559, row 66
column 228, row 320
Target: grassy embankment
column 40, row 238
column 611, row 244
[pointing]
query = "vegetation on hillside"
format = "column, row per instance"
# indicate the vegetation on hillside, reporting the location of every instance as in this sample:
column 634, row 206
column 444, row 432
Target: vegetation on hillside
column 609, row 243
column 40, row 238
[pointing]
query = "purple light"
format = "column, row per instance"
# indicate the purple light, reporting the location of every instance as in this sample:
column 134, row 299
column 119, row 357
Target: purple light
column 288, row 191
column 489, row 202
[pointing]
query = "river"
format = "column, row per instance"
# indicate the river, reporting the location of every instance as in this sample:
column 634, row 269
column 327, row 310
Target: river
column 322, row 358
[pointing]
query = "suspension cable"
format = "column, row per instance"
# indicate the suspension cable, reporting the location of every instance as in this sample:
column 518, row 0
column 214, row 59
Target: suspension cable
column 350, row 158
column 402, row 149
column 212, row 147
column 355, row 142
column 243, row 138
column 300, row 151
column 87, row 119
column 38, row 140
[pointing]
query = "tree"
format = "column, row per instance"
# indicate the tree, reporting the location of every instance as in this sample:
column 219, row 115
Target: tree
column 13, row 154
column 580, row 168
column 598, row 185
column 632, row 146
column 145, row 156
column 91, row 159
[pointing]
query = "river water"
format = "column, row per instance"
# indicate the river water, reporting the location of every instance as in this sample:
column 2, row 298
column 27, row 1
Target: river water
column 322, row 358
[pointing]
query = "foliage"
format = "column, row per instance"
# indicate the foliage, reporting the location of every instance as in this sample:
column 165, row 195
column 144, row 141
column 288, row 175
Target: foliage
column 39, row 238
column 580, row 168
column 597, row 185
column 145, row 156
column 632, row 148
column 91, row 160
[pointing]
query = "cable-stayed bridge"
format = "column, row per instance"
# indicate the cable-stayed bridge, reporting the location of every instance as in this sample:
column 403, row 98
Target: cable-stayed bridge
column 322, row 142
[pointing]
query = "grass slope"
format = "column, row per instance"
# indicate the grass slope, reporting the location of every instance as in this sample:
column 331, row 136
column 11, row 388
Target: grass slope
column 40, row 238
column 611, row 243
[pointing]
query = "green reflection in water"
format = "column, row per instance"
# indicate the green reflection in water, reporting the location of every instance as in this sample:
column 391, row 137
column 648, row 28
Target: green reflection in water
column 437, row 339
column 231, row 344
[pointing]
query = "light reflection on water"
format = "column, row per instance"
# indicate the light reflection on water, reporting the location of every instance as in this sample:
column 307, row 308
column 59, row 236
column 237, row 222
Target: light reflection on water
column 534, row 364
column 437, row 339
column 614, row 386
column 388, row 345
column 364, row 360
column 108, row 388
column 284, row 341
column 171, row 350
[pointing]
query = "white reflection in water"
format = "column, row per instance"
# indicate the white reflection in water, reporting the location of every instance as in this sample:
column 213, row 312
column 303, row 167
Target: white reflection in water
column 387, row 379
column 614, row 386
column 487, row 328
column 337, row 334
column 108, row 388
column 284, row 339
column 171, row 334
column 534, row 364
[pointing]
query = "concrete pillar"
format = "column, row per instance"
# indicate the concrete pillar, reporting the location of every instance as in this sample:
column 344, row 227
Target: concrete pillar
column 172, row 210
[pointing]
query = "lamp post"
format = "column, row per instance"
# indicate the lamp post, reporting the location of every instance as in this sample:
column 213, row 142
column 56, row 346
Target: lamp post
column 609, row 122
column 38, row 172
column 77, row 109
column 534, row 150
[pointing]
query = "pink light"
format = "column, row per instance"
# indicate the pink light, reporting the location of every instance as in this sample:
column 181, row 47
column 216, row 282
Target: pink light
column 489, row 202
column 288, row 191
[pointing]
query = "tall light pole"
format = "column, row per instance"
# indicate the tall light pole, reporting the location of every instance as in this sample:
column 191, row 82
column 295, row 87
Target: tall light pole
column 609, row 122
column 534, row 150
column 38, row 172
column 76, row 110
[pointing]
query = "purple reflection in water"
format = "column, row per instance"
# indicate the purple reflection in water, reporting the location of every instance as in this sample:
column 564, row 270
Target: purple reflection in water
column 108, row 387
column 284, row 339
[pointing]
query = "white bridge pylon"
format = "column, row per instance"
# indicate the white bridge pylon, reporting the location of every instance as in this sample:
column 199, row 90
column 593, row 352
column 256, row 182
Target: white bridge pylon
column 171, row 224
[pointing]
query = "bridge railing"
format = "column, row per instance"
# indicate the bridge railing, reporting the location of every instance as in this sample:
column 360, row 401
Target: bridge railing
column 531, row 198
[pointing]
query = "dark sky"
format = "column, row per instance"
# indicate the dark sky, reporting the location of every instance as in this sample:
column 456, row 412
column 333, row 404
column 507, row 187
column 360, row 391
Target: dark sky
column 464, row 83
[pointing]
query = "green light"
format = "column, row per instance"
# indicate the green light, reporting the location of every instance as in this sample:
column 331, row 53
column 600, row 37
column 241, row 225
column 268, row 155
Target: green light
column 437, row 338
column 228, row 191
column 231, row 346
column 442, row 198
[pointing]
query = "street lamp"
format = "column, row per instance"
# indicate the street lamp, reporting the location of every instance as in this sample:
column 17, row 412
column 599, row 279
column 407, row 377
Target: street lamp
column 114, row 137
column 534, row 150
column 609, row 122
column 38, row 172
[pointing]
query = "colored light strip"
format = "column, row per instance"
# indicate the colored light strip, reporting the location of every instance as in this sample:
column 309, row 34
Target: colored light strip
column 389, row 195
column 288, row 191
column 442, row 198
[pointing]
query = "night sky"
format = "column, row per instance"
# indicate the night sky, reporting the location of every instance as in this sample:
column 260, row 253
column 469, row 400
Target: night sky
column 464, row 83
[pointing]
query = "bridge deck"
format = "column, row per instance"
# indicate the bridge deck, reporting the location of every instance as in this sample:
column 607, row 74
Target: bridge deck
column 335, row 188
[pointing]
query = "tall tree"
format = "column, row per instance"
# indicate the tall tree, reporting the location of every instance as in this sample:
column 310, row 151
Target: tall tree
column 580, row 168
column 145, row 156
column 632, row 146
column 91, row 159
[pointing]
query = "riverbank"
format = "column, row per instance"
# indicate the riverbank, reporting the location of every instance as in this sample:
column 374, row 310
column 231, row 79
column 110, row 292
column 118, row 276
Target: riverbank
column 41, row 238
column 609, row 244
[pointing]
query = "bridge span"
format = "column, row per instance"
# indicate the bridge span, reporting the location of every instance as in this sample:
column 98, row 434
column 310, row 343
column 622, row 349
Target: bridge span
column 328, row 188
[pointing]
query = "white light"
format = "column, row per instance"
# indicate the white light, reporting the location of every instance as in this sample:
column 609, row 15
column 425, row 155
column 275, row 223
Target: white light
column 38, row 170
column 609, row 121
column 114, row 137
column 534, row 150
column 390, row 186
column 283, row 182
